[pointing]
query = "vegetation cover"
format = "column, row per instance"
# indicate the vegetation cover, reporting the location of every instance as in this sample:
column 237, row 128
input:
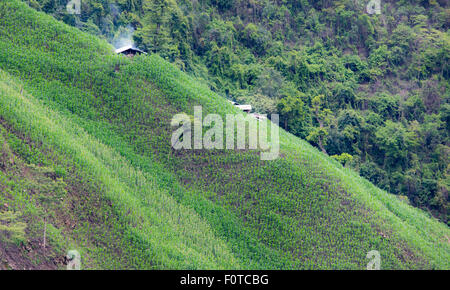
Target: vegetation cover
column 86, row 163
column 384, row 77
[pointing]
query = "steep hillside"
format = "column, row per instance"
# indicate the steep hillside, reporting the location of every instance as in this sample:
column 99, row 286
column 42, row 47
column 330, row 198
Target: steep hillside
column 86, row 159
column 380, row 74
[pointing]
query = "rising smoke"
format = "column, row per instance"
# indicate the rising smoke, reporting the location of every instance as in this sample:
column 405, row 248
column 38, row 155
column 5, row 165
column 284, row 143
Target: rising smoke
column 124, row 34
column 123, row 37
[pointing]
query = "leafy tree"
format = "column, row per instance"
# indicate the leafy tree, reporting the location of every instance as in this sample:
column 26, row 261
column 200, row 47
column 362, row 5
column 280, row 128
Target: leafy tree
column 445, row 115
column 395, row 141
column 413, row 108
column 270, row 83
column 155, row 33
column 343, row 158
column 344, row 95
column 375, row 174
column 223, row 4
column 385, row 105
column 323, row 117
column 292, row 111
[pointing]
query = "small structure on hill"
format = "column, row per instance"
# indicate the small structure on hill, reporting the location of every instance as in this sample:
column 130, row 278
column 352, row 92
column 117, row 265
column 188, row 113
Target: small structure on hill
column 248, row 109
column 259, row 117
column 245, row 108
column 129, row 50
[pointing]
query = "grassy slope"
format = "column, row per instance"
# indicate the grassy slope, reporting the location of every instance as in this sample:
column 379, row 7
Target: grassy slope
column 109, row 117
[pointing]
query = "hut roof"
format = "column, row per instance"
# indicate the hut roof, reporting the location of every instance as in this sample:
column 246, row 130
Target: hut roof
column 245, row 107
column 129, row 48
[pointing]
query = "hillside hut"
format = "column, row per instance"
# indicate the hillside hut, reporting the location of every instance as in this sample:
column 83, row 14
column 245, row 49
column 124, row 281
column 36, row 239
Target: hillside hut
column 245, row 108
column 259, row 117
column 129, row 50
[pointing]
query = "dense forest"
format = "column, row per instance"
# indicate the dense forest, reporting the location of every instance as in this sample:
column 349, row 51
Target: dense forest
column 370, row 90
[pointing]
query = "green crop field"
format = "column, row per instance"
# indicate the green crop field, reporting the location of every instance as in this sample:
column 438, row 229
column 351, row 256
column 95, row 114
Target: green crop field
column 86, row 161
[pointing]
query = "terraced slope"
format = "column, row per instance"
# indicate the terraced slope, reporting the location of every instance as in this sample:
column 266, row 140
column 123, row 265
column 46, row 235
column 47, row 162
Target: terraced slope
column 86, row 158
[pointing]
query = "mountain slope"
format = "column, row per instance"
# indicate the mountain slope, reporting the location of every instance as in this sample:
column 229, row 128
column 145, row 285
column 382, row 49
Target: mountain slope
column 102, row 123
column 384, row 76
